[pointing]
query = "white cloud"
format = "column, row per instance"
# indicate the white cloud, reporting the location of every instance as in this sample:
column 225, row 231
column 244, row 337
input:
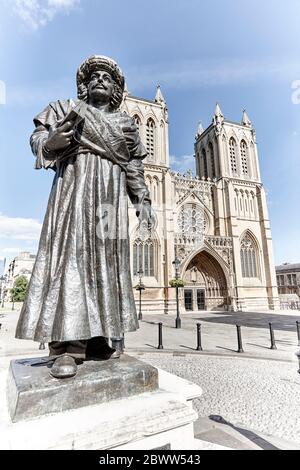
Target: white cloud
column 182, row 163
column 16, row 249
column 9, row 250
column 37, row 13
column 187, row 74
column 18, row 228
column 41, row 93
column 2, row 92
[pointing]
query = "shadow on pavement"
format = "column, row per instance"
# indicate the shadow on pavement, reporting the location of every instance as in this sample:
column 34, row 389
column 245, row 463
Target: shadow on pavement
column 258, row 345
column 253, row 320
column 227, row 349
column 255, row 438
column 187, row 347
column 151, row 346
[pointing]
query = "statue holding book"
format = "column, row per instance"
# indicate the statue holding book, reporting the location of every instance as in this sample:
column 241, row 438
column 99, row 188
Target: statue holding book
column 80, row 297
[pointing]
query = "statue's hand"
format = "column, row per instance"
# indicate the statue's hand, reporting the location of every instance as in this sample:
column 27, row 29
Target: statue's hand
column 59, row 136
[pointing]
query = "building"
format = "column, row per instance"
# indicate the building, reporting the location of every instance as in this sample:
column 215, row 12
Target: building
column 215, row 223
column 2, row 266
column 21, row 265
column 288, row 282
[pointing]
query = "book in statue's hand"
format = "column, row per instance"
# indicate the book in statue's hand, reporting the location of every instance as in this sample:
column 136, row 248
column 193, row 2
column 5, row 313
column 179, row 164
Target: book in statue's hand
column 76, row 115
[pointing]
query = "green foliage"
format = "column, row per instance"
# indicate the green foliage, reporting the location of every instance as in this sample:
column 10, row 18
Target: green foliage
column 176, row 283
column 19, row 290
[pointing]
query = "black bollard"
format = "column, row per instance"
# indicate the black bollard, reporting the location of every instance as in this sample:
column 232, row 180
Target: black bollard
column 273, row 345
column 298, row 332
column 42, row 346
column 160, row 344
column 239, row 338
column 298, row 356
column 0, row 325
column 199, row 343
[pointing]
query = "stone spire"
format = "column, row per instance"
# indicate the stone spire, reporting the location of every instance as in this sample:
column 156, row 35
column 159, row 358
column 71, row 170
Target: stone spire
column 245, row 119
column 200, row 130
column 218, row 113
column 159, row 96
column 218, row 119
column 125, row 92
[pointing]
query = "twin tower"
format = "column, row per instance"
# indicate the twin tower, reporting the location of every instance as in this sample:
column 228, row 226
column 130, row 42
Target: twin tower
column 215, row 224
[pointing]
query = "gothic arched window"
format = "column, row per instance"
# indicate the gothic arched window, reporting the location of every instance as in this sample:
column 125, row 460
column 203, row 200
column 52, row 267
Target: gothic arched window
column 150, row 138
column 244, row 157
column 143, row 257
column 137, row 121
column 156, row 190
column 204, row 163
column 212, row 160
column 232, row 155
column 248, row 257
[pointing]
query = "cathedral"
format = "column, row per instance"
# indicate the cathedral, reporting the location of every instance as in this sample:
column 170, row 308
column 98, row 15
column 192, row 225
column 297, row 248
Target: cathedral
column 212, row 227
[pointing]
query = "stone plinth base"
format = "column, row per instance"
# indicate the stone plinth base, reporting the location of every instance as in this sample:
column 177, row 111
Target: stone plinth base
column 162, row 418
column 33, row 392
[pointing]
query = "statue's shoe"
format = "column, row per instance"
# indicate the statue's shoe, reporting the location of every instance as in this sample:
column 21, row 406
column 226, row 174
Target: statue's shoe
column 116, row 355
column 64, row 366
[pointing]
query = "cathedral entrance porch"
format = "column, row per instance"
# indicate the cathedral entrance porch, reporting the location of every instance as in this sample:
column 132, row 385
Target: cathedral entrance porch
column 205, row 284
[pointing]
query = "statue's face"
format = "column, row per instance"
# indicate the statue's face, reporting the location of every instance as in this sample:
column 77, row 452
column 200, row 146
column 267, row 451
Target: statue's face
column 101, row 86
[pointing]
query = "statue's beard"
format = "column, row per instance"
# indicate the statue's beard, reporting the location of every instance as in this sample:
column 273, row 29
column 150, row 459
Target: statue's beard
column 99, row 95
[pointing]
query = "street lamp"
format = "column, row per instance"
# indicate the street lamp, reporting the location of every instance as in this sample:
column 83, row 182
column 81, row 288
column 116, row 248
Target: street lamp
column 3, row 296
column 176, row 263
column 2, row 286
column 140, row 287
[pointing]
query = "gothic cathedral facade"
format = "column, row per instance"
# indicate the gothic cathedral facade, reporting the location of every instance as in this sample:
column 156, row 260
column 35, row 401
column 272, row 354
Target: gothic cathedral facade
column 215, row 224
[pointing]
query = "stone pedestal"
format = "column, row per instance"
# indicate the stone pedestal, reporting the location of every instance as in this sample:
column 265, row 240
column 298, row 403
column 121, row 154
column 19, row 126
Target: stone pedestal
column 33, row 392
column 157, row 414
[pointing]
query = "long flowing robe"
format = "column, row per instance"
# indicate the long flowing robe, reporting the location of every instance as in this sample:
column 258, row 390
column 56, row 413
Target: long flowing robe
column 81, row 284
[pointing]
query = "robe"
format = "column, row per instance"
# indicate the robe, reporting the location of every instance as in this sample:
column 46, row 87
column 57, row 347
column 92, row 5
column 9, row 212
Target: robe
column 81, row 284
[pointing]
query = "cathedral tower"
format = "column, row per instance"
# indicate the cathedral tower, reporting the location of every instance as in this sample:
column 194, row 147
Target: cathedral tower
column 226, row 153
column 151, row 254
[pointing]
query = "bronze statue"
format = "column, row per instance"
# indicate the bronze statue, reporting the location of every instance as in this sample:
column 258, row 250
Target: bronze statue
column 80, row 292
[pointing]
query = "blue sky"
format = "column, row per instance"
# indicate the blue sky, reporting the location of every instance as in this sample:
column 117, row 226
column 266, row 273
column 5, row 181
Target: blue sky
column 241, row 54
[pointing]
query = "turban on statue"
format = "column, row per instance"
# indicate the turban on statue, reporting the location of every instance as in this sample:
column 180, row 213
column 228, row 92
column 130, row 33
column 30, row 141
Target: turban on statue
column 98, row 62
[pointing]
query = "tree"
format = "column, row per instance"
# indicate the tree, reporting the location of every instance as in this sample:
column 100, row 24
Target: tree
column 19, row 290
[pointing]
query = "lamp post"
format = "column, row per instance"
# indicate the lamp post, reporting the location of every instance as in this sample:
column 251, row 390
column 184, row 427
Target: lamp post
column 3, row 290
column 140, row 287
column 298, row 356
column 3, row 296
column 176, row 263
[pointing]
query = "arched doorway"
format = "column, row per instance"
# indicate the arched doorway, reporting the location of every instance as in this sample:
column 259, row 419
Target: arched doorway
column 205, row 284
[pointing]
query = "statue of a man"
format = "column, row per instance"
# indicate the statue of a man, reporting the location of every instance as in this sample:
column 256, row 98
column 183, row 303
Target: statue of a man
column 80, row 292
